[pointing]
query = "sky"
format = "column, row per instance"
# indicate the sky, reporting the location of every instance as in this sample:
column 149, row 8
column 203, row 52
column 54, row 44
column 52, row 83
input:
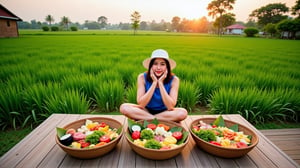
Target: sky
column 117, row 11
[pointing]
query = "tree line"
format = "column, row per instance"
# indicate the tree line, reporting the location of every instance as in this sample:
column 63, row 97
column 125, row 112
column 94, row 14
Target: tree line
column 272, row 18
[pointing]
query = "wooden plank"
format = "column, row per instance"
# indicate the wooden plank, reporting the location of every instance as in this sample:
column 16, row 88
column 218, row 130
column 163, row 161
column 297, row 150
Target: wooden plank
column 70, row 161
column 287, row 140
column 91, row 162
column 143, row 162
column 268, row 148
column 38, row 153
column 291, row 131
column 184, row 159
column 43, row 153
column 109, row 158
column 202, row 158
column 26, row 145
column 126, row 159
column 284, row 138
column 53, row 159
column 245, row 161
column 166, row 163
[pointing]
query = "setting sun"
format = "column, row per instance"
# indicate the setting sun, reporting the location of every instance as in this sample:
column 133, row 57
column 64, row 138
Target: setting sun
column 190, row 9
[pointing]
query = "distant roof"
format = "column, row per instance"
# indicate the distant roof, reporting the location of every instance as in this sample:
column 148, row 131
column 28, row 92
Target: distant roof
column 236, row 26
column 6, row 14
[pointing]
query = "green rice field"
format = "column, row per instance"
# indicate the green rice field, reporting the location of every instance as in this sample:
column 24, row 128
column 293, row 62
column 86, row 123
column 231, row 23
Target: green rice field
column 95, row 71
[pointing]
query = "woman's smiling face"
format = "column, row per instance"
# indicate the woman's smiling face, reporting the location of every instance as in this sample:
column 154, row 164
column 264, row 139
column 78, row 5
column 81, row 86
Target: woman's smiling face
column 159, row 66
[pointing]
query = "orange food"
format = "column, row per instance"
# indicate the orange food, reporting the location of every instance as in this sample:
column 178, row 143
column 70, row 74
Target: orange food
column 100, row 144
column 164, row 126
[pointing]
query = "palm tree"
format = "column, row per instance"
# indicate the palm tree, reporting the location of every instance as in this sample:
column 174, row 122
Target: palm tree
column 219, row 7
column 49, row 19
column 102, row 20
column 135, row 18
column 65, row 21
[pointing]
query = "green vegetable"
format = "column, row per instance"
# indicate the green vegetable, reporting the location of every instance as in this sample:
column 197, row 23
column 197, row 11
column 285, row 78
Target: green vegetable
column 119, row 130
column 184, row 137
column 94, row 137
column 176, row 129
column 234, row 127
column 206, row 135
column 152, row 144
column 147, row 134
column 219, row 122
column 60, row 132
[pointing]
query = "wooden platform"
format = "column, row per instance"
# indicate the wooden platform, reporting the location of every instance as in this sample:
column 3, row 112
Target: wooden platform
column 39, row 149
column 288, row 140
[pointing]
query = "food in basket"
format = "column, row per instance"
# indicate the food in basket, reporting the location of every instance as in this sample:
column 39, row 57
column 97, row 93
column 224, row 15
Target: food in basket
column 90, row 135
column 218, row 134
column 156, row 135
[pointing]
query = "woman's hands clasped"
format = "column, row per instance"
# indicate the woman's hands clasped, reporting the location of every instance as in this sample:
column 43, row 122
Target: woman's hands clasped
column 160, row 79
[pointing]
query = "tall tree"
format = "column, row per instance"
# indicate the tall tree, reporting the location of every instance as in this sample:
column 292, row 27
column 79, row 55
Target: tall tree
column 217, row 8
column 271, row 13
column 202, row 25
column 143, row 25
column 135, row 18
column 290, row 26
column 175, row 23
column 296, row 9
column 270, row 28
column 102, row 20
column 49, row 19
column 65, row 21
column 227, row 20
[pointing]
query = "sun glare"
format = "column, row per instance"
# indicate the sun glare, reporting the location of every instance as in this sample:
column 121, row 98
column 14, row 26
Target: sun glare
column 193, row 9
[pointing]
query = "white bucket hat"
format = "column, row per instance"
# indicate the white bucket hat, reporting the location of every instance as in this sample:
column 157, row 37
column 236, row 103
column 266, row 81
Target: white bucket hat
column 159, row 53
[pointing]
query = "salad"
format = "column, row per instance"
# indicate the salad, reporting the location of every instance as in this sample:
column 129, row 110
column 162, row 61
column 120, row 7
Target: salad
column 90, row 135
column 218, row 134
column 155, row 135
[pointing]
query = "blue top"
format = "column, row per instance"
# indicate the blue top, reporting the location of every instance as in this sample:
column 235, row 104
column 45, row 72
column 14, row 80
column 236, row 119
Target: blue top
column 156, row 103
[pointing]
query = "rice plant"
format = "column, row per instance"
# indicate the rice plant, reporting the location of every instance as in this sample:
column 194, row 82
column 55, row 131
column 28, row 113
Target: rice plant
column 257, row 106
column 235, row 75
column 110, row 95
column 21, row 80
column 67, row 102
column 207, row 85
column 85, row 83
column 92, row 67
column 131, row 94
column 11, row 102
column 188, row 95
column 107, row 76
column 51, row 73
column 35, row 97
column 128, row 74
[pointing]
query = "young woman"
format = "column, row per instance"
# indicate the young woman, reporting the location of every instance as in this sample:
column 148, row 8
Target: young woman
column 157, row 91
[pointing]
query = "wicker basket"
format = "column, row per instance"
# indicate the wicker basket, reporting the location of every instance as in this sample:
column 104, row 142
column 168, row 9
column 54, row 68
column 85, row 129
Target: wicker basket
column 92, row 152
column 223, row 151
column 156, row 154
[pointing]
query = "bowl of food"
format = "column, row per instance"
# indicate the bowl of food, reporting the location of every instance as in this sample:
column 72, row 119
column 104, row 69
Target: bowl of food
column 223, row 138
column 90, row 137
column 156, row 139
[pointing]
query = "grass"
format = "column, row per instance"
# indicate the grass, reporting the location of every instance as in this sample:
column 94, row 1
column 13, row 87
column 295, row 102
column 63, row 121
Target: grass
column 10, row 138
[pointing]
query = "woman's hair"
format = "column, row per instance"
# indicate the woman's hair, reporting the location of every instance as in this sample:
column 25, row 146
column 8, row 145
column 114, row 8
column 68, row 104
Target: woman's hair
column 169, row 75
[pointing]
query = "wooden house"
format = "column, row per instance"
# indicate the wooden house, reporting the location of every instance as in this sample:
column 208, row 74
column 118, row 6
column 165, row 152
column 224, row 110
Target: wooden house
column 235, row 29
column 8, row 23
